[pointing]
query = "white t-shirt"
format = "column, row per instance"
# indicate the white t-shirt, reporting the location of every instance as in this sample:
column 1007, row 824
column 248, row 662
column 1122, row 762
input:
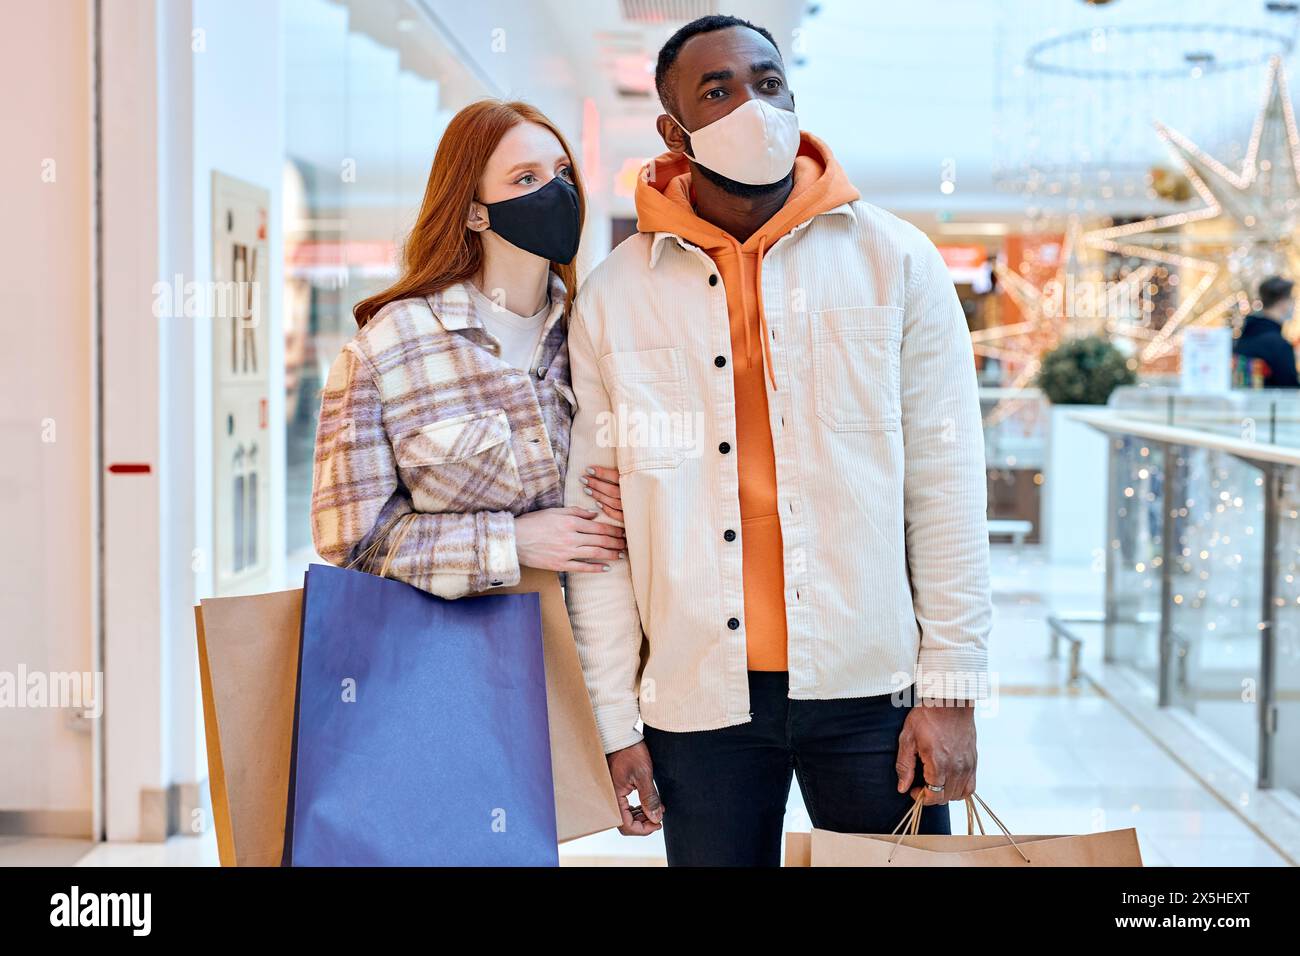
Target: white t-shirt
column 518, row 334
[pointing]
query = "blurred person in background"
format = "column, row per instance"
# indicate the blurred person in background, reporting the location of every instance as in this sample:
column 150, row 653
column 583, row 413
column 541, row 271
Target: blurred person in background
column 449, row 411
column 1261, row 334
column 802, row 476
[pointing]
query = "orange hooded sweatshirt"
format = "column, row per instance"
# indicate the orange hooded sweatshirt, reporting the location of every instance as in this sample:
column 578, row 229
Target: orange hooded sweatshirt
column 667, row 205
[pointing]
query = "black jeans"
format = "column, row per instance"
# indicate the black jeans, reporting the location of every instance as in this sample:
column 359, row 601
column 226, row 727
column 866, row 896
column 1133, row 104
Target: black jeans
column 724, row 791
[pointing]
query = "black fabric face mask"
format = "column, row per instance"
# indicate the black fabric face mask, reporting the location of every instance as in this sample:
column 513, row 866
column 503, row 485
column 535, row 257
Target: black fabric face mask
column 544, row 222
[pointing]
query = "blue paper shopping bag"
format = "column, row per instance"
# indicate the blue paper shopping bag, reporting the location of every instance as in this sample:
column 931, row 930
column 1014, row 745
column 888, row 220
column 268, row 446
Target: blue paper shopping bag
column 420, row 735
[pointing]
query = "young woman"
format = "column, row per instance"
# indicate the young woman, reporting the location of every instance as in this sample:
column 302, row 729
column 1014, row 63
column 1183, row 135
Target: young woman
column 444, row 424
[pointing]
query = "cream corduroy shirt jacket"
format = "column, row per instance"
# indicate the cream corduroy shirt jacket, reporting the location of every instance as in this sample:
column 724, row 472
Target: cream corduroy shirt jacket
column 876, row 426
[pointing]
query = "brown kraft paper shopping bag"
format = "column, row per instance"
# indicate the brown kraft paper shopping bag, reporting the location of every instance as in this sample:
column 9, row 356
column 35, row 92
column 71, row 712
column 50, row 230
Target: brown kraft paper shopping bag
column 248, row 660
column 248, row 669
column 585, row 802
column 908, row 848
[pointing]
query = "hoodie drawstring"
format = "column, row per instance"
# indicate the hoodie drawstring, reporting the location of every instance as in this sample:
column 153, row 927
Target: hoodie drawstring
column 749, row 333
column 762, row 316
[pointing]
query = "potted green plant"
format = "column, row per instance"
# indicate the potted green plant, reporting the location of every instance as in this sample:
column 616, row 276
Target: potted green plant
column 1077, row 375
column 1083, row 371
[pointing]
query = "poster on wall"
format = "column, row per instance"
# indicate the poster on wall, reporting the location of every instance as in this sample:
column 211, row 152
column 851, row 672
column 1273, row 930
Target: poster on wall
column 241, row 382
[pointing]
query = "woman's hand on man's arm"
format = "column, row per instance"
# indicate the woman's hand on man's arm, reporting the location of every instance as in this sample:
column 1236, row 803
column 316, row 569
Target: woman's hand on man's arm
column 567, row 539
column 602, row 485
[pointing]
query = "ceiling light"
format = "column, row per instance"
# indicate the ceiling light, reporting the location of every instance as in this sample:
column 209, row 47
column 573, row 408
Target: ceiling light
column 973, row 228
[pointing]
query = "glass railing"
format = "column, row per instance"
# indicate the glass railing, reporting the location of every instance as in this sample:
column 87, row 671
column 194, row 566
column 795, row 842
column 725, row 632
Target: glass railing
column 1015, row 427
column 1202, row 576
column 1015, row 453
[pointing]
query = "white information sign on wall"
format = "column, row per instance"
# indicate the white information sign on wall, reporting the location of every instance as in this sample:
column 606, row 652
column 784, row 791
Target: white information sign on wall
column 241, row 382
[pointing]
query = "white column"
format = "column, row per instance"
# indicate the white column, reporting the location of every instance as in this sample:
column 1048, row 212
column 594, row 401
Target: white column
column 130, row 228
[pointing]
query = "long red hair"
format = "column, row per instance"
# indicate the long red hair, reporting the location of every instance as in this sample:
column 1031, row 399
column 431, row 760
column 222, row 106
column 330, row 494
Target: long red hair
column 441, row 250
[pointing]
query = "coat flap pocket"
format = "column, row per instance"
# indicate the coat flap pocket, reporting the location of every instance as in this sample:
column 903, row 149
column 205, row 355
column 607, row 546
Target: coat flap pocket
column 650, row 365
column 453, row 439
column 870, row 321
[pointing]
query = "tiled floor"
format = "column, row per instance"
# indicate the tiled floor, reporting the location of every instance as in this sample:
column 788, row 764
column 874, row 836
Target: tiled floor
column 1056, row 759
column 50, row 851
column 1053, row 758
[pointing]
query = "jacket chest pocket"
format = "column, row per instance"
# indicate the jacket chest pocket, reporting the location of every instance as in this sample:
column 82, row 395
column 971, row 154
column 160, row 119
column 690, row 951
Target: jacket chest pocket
column 461, row 464
column 856, row 367
column 648, row 424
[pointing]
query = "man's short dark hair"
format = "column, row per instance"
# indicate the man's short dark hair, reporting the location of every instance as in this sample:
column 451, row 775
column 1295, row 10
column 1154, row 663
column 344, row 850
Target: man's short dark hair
column 1273, row 290
column 668, row 53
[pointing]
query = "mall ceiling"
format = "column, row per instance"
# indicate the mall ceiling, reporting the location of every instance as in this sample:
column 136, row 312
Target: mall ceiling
column 910, row 95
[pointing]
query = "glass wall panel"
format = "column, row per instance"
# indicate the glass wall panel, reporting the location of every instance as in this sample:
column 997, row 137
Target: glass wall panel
column 369, row 87
column 1215, row 610
column 1286, row 659
column 1136, row 553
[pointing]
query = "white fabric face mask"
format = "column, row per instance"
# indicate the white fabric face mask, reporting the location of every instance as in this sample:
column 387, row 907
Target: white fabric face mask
column 754, row 144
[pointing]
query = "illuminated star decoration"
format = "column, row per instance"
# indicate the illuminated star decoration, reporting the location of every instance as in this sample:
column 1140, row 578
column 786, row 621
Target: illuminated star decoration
column 1073, row 302
column 1255, row 209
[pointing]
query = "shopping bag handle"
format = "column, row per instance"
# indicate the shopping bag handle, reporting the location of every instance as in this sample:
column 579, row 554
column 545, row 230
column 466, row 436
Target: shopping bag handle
column 406, row 522
column 365, row 557
column 910, row 825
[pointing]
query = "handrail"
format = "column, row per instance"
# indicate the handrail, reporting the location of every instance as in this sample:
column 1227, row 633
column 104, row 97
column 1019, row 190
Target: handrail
column 1203, row 415
column 1116, row 423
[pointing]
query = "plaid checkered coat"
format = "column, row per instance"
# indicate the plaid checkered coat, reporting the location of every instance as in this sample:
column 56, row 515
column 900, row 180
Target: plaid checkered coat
column 420, row 416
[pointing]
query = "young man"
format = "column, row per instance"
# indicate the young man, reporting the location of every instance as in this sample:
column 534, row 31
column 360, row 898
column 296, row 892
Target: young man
column 1261, row 335
column 783, row 375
